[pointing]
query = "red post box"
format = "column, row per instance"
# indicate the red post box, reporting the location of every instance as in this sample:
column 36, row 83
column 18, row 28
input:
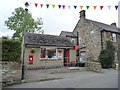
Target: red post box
column 30, row 59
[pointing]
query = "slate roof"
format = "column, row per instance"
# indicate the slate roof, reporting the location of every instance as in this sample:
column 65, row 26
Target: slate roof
column 105, row 27
column 46, row 40
column 66, row 33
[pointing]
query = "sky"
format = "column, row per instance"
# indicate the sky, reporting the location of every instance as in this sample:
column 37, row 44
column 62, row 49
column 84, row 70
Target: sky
column 57, row 20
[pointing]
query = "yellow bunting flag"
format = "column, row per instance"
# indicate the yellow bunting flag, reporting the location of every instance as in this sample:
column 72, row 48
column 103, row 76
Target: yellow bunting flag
column 53, row 5
column 94, row 7
column 81, row 7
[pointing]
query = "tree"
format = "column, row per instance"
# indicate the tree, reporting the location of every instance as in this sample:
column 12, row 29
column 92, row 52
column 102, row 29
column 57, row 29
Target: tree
column 20, row 21
column 107, row 56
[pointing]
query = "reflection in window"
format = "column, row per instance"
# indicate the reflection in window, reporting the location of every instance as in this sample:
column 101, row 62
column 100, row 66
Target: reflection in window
column 114, row 37
column 50, row 53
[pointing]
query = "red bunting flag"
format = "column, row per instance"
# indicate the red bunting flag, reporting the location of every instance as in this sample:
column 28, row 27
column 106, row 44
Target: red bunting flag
column 94, row 7
column 36, row 4
column 116, row 7
column 41, row 5
column 101, row 7
column 63, row 6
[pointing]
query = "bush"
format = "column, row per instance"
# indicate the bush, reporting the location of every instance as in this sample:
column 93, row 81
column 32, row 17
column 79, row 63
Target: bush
column 106, row 56
column 11, row 50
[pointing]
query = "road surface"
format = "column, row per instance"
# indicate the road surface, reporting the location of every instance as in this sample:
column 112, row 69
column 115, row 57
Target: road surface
column 85, row 79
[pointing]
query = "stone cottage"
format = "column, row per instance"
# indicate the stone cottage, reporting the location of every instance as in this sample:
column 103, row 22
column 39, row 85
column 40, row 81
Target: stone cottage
column 92, row 37
column 48, row 51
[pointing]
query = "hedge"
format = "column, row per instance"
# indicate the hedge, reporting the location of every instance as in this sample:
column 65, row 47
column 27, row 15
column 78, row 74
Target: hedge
column 11, row 50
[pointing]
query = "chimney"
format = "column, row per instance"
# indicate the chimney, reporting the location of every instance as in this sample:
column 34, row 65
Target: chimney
column 113, row 24
column 82, row 14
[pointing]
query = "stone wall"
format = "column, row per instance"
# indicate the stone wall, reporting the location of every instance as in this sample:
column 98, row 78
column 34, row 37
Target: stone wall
column 89, row 39
column 11, row 73
column 94, row 66
column 48, row 64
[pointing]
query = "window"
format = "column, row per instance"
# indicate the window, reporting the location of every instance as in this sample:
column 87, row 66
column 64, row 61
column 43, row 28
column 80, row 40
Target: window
column 83, row 57
column 73, row 40
column 79, row 40
column 114, row 37
column 50, row 53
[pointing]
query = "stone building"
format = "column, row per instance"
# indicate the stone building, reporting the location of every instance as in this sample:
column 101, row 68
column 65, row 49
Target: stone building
column 48, row 51
column 92, row 37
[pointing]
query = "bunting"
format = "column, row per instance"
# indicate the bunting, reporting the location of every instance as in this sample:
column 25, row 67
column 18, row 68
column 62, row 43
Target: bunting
column 101, row 7
column 47, row 5
column 81, row 7
column 53, row 5
column 94, row 7
column 75, row 6
column 87, row 7
column 63, row 6
column 109, row 7
column 59, row 6
column 36, row 4
column 116, row 7
column 68, row 6
column 41, row 5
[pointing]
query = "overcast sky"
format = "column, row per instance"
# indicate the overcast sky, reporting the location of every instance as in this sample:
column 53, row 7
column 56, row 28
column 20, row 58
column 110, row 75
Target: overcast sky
column 57, row 20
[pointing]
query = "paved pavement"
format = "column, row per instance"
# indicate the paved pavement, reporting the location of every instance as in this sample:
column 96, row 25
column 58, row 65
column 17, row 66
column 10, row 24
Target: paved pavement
column 85, row 79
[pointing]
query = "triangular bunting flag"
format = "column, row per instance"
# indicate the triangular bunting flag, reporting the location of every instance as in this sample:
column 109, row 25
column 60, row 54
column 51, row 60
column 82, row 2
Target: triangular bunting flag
column 63, row 6
column 59, row 6
column 87, row 7
column 94, row 7
column 109, row 7
column 69, row 6
column 101, row 7
column 75, row 7
column 81, row 7
column 41, row 5
column 47, row 5
column 116, row 7
column 36, row 4
column 53, row 5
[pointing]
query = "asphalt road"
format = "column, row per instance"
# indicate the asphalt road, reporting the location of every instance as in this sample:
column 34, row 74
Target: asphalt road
column 86, row 79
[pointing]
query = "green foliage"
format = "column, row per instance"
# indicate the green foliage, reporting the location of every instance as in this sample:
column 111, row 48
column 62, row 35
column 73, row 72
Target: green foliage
column 11, row 50
column 22, row 20
column 107, row 56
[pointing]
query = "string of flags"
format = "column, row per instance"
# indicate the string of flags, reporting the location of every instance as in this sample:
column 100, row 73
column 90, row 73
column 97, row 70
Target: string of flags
column 74, row 6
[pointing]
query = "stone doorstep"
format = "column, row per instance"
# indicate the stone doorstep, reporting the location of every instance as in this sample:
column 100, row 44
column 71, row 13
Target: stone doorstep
column 69, row 70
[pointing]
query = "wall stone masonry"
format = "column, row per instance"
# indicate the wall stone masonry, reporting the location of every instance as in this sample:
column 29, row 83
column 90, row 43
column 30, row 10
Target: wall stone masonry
column 93, row 66
column 11, row 73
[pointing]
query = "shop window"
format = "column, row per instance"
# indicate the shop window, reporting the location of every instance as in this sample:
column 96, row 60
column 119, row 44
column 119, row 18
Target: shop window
column 50, row 53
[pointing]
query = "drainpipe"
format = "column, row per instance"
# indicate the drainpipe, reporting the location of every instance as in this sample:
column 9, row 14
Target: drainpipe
column 101, row 40
column 78, row 45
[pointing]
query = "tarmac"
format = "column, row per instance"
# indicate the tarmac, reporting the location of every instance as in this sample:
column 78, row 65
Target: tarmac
column 50, row 74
